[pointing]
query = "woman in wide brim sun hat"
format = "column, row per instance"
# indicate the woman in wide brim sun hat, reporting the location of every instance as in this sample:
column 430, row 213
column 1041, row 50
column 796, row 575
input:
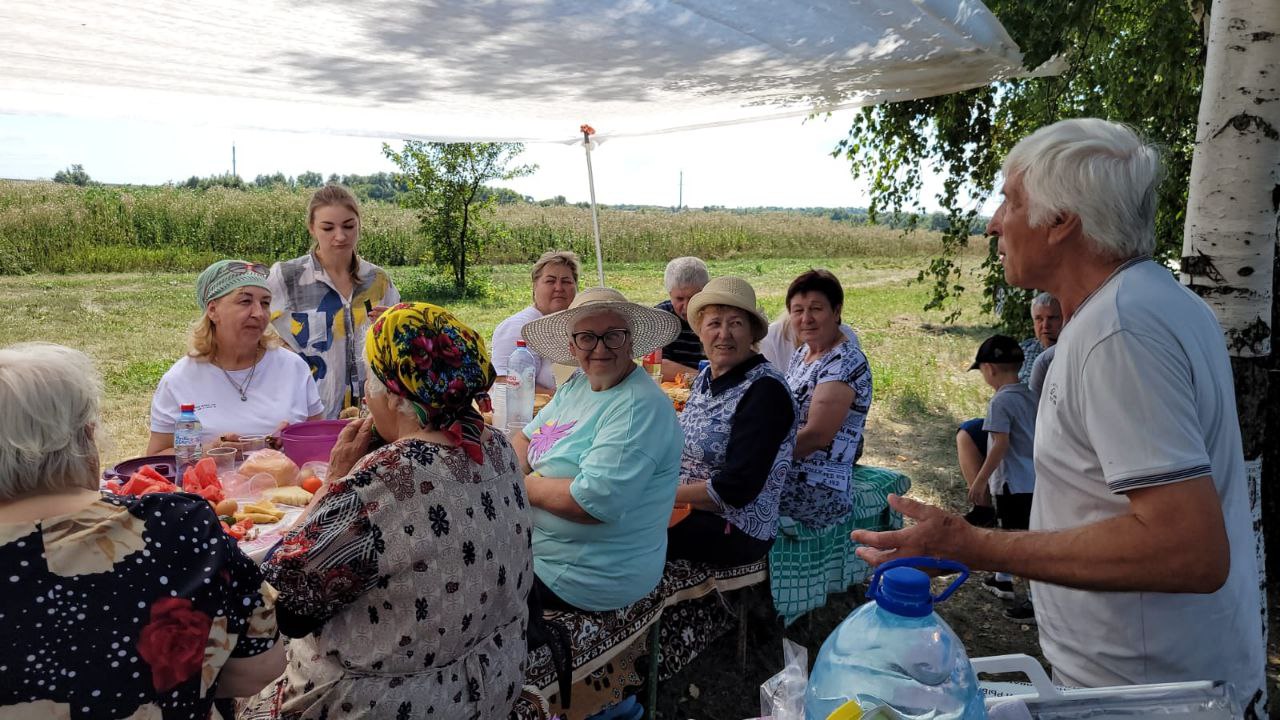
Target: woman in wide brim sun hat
column 602, row 459
column 549, row 335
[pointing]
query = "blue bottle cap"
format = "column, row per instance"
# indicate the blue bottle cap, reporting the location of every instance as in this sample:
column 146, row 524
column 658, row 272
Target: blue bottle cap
column 904, row 591
column 702, row 365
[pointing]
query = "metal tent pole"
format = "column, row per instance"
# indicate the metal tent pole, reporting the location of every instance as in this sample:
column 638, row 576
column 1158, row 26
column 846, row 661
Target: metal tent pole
column 587, row 132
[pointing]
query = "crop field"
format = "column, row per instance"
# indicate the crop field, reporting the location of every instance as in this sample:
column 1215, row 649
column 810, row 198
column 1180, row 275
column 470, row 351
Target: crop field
column 47, row 227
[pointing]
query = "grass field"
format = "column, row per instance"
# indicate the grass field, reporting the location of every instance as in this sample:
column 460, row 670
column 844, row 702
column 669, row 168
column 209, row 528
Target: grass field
column 134, row 327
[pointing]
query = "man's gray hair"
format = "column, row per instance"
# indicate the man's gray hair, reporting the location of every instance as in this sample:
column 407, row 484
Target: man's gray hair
column 49, row 412
column 685, row 272
column 1099, row 170
column 1044, row 299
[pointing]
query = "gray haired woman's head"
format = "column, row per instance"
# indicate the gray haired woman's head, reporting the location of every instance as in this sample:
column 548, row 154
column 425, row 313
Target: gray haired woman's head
column 49, row 414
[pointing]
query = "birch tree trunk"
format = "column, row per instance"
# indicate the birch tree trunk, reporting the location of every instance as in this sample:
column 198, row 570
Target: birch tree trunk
column 1230, row 242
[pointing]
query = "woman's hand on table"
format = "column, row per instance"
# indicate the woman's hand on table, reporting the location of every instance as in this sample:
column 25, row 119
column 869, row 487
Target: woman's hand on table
column 352, row 444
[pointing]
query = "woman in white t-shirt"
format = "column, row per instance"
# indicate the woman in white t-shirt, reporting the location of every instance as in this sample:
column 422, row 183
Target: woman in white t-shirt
column 555, row 284
column 235, row 372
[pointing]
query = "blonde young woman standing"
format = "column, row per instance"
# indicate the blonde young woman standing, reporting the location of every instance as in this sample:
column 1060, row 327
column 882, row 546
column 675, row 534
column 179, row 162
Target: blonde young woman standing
column 324, row 302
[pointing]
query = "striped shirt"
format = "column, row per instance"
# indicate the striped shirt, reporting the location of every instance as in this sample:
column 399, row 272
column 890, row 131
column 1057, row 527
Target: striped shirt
column 686, row 349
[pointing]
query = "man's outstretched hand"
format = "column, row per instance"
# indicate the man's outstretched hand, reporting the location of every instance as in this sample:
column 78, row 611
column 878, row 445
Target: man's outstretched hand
column 936, row 533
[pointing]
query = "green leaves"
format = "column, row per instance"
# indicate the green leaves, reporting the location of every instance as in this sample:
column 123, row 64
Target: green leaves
column 445, row 185
column 1134, row 61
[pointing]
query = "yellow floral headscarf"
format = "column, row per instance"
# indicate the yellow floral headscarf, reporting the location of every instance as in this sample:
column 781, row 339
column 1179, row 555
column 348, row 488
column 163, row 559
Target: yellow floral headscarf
column 423, row 353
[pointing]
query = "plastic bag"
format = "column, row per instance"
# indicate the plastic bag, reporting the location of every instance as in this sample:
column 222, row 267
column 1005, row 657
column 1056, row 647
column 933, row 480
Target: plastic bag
column 241, row 487
column 782, row 696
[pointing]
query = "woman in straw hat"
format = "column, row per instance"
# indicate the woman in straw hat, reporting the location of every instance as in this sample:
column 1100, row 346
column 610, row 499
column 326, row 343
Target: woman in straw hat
column 739, row 433
column 603, row 457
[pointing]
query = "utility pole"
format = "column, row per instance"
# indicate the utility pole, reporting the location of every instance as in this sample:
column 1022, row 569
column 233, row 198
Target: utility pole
column 233, row 157
column 680, row 197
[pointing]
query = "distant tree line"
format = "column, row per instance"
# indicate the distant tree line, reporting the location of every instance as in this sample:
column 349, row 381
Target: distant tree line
column 392, row 189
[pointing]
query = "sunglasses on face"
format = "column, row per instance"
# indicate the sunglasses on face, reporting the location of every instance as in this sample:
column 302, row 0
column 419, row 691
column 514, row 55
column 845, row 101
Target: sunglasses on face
column 586, row 340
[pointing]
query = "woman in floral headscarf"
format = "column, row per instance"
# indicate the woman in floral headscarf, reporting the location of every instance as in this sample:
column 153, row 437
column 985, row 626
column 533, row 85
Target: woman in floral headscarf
column 414, row 560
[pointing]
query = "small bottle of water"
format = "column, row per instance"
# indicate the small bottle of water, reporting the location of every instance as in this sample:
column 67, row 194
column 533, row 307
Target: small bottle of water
column 894, row 650
column 187, row 449
column 521, row 376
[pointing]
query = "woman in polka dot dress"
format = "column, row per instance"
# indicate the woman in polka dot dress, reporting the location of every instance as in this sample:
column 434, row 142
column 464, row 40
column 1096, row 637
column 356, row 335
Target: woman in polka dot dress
column 111, row 607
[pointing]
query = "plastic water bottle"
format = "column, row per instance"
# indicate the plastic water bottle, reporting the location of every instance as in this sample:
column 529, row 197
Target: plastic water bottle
column 522, row 369
column 187, row 449
column 894, row 650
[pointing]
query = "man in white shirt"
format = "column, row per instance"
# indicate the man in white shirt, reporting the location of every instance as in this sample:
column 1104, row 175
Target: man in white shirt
column 1141, row 549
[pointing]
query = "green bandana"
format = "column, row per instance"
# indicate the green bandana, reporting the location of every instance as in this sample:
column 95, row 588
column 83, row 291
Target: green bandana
column 224, row 276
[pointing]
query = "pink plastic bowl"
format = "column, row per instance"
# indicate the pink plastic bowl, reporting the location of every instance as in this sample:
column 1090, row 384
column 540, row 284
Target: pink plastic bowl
column 307, row 441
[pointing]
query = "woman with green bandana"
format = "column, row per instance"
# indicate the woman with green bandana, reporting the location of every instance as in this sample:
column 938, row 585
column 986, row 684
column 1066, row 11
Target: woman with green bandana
column 235, row 371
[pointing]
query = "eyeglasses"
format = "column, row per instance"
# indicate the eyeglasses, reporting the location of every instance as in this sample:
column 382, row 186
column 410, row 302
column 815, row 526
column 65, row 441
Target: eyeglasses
column 586, row 340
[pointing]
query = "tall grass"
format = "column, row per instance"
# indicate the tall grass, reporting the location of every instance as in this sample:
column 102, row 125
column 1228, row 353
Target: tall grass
column 46, row 227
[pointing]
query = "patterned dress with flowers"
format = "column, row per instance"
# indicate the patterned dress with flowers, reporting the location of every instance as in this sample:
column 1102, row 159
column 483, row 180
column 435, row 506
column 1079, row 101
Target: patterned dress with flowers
column 407, row 585
column 128, row 608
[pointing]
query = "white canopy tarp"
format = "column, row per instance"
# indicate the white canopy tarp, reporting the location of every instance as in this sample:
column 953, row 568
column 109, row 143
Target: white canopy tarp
column 529, row 70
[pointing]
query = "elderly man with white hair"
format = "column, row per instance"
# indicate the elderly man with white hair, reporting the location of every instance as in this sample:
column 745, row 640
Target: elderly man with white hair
column 683, row 278
column 1141, row 548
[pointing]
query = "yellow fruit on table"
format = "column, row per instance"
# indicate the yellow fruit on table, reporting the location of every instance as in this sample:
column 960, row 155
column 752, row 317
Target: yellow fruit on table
column 257, row 517
column 228, row 507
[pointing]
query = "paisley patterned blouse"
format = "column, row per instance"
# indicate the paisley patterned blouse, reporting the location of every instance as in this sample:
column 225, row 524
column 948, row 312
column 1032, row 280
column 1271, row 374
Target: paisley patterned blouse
column 739, row 433
column 128, row 608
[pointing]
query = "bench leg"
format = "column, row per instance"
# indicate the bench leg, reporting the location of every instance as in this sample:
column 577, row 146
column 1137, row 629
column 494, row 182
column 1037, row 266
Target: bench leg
column 655, row 655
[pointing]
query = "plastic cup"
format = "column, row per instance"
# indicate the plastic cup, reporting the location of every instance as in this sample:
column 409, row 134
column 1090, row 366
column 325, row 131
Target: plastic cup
column 251, row 443
column 224, row 457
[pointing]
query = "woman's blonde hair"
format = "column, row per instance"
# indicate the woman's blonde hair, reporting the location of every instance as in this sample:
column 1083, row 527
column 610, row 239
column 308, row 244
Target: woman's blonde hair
column 328, row 196
column 49, row 414
column 202, row 340
column 568, row 258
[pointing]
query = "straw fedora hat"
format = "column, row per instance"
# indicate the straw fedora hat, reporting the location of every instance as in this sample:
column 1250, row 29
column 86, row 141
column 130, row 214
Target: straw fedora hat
column 651, row 328
column 734, row 292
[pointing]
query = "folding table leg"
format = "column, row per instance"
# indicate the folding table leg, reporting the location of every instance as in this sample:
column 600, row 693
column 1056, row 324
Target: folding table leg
column 655, row 655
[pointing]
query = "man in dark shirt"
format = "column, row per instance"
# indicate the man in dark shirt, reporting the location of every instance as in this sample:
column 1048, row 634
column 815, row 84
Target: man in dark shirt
column 683, row 278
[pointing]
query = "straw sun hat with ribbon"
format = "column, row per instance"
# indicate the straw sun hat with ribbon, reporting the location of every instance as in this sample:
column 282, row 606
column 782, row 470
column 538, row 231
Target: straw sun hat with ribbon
column 650, row 328
column 734, row 292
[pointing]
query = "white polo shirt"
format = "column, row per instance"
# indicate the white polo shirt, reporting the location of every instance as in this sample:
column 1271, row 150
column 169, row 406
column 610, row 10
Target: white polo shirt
column 1140, row 394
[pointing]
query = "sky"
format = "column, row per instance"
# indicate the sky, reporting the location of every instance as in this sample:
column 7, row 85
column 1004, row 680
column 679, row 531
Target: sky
column 784, row 163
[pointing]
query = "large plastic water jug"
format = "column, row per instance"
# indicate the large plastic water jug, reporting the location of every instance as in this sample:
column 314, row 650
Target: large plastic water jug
column 894, row 650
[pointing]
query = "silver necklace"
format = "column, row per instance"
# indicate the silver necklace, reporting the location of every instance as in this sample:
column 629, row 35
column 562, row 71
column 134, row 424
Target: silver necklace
column 242, row 389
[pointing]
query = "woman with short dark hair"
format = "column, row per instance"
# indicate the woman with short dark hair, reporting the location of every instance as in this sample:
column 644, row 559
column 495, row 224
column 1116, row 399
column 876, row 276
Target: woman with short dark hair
column 830, row 379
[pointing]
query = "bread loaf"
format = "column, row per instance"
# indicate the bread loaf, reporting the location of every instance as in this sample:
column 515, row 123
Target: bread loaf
column 272, row 462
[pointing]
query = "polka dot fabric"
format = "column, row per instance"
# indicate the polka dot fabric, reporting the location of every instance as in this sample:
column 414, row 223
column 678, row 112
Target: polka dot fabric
column 127, row 608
